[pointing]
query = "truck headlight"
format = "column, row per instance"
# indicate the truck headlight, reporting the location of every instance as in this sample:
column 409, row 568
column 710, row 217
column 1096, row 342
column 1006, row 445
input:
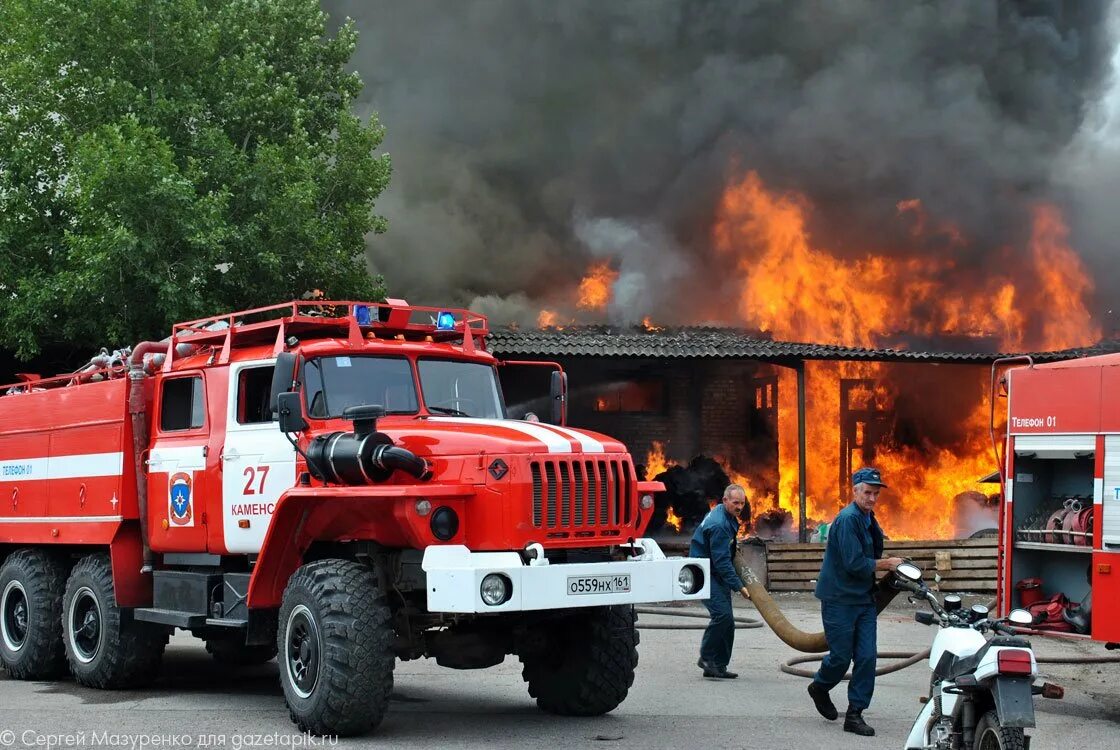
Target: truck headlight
column 495, row 589
column 645, row 502
column 690, row 579
column 444, row 523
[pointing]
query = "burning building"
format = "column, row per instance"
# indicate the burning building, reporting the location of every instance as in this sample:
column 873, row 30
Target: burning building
column 706, row 405
column 906, row 388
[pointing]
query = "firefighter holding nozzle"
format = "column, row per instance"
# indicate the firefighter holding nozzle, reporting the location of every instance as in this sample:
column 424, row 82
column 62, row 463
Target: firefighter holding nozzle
column 846, row 590
column 715, row 539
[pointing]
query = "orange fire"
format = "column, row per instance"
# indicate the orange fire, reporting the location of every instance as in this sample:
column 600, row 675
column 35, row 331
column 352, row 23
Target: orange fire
column 674, row 520
column 656, row 461
column 546, row 319
column 799, row 289
column 595, row 288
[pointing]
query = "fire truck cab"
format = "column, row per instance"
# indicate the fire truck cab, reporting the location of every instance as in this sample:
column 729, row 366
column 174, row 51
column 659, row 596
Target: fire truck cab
column 333, row 484
column 1060, row 520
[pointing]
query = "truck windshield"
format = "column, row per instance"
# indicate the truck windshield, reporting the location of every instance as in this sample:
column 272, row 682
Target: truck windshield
column 334, row 383
column 460, row 389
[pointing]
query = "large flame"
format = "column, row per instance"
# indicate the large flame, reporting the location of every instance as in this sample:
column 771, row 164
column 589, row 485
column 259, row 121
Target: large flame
column 656, row 462
column 799, row 290
column 595, row 288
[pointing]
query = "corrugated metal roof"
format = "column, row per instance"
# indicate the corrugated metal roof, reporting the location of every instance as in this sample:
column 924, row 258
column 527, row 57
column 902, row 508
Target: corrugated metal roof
column 691, row 342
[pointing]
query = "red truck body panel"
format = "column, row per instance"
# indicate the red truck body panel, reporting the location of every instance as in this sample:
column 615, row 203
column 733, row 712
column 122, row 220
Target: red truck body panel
column 1063, row 428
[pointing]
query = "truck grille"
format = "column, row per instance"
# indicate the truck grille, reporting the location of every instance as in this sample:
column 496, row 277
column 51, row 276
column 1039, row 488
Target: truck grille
column 581, row 493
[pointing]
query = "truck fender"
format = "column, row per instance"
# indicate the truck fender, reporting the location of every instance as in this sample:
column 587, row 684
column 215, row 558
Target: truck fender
column 305, row 515
column 131, row 588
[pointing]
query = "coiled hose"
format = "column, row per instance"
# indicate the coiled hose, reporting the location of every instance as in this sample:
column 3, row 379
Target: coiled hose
column 815, row 644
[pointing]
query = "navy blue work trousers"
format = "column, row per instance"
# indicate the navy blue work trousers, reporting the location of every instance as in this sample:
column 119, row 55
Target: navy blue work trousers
column 850, row 630
column 719, row 636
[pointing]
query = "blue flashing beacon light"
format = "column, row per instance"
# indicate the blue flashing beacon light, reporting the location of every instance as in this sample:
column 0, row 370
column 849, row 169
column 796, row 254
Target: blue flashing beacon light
column 445, row 321
column 361, row 314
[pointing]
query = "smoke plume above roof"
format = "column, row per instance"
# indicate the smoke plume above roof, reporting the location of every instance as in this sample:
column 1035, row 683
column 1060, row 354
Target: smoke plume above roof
column 530, row 139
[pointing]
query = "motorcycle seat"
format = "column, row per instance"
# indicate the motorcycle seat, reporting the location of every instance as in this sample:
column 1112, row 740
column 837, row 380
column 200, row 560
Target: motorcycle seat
column 950, row 666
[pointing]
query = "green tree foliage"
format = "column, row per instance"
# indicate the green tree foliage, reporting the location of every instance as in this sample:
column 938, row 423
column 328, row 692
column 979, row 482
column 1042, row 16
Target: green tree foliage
column 165, row 160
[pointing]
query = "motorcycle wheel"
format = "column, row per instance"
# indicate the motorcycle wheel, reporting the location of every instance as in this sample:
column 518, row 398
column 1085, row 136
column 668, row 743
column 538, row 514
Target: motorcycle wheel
column 991, row 735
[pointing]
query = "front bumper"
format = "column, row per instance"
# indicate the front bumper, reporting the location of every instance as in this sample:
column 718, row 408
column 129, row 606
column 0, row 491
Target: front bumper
column 454, row 577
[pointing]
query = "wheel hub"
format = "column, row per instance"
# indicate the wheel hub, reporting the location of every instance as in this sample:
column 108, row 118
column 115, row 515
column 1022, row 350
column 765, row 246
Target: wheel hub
column 85, row 625
column 302, row 653
column 14, row 616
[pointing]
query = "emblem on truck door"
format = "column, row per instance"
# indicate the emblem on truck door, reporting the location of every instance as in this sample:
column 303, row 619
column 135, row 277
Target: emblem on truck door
column 179, row 499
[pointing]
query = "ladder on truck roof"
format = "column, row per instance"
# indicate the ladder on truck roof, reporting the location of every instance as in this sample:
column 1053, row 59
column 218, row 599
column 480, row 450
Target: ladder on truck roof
column 355, row 321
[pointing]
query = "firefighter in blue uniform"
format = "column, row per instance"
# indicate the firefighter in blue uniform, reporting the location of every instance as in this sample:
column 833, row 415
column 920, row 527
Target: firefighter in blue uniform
column 715, row 539
column 846, row 590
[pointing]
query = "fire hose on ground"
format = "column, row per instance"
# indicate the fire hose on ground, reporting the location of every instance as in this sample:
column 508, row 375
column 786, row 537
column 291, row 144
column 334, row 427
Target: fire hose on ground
column 815, row 644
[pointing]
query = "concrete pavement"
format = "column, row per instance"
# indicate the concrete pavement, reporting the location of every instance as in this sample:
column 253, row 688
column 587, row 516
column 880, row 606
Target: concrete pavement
column 670, row 706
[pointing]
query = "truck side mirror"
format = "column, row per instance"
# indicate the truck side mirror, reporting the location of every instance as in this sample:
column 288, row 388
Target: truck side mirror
column 283, row 375
column 290, row 411
column 558, row 391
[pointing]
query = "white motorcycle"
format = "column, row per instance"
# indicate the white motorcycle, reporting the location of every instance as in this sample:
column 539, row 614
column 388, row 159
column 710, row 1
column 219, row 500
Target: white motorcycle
column 982, row 688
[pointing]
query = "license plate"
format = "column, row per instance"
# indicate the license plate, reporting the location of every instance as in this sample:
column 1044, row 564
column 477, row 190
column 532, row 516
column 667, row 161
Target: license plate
column 578, row 585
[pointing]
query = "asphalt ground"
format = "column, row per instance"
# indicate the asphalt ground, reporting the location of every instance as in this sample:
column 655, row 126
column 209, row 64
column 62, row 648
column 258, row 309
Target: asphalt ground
column 197, row 703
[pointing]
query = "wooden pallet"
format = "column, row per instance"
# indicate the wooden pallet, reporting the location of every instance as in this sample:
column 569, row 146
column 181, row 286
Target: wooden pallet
column 962, row 565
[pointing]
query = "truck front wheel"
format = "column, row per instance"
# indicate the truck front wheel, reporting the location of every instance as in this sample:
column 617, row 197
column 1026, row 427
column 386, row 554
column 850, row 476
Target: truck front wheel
column 583, row 665
column 31, row 584
column 335, row 644
column 106, row 648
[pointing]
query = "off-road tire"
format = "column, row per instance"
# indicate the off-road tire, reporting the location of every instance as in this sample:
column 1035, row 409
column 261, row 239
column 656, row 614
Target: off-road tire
column 587, row 665
column 991, row 736
column 350, row 678
column 31, row 586
column 116, row 652
column 234, row 653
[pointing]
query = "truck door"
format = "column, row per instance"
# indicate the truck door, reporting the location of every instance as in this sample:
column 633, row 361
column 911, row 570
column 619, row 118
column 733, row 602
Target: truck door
column 178, row 482
column 258, row 462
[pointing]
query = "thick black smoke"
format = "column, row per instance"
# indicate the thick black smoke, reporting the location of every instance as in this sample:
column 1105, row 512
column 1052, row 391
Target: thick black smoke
column 530, row 137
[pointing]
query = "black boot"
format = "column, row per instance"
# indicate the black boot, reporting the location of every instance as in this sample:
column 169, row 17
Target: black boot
column 711, row 670
column 854, row 723
column 824, row 704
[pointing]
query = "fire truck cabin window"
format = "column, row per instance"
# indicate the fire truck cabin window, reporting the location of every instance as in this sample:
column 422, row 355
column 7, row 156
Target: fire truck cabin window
column 183, row 406
column 460, row 389
column 334, row 383
column 254, row 392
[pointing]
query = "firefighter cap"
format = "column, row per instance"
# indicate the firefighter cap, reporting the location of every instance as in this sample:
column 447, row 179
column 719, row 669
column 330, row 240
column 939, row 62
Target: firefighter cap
column 867, row 476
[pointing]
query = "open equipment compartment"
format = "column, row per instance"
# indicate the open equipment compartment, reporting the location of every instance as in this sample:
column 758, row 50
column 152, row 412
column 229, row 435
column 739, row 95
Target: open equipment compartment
column 1052, row 512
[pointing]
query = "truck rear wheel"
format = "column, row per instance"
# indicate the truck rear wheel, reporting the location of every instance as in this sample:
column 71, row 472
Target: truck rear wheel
column 31, row 585
column 335, row 644
column 105, row 649
column 586, row 664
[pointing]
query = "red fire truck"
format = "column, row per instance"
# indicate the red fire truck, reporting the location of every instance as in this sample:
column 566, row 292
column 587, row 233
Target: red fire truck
column 1060, row 519
column 334, row 484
